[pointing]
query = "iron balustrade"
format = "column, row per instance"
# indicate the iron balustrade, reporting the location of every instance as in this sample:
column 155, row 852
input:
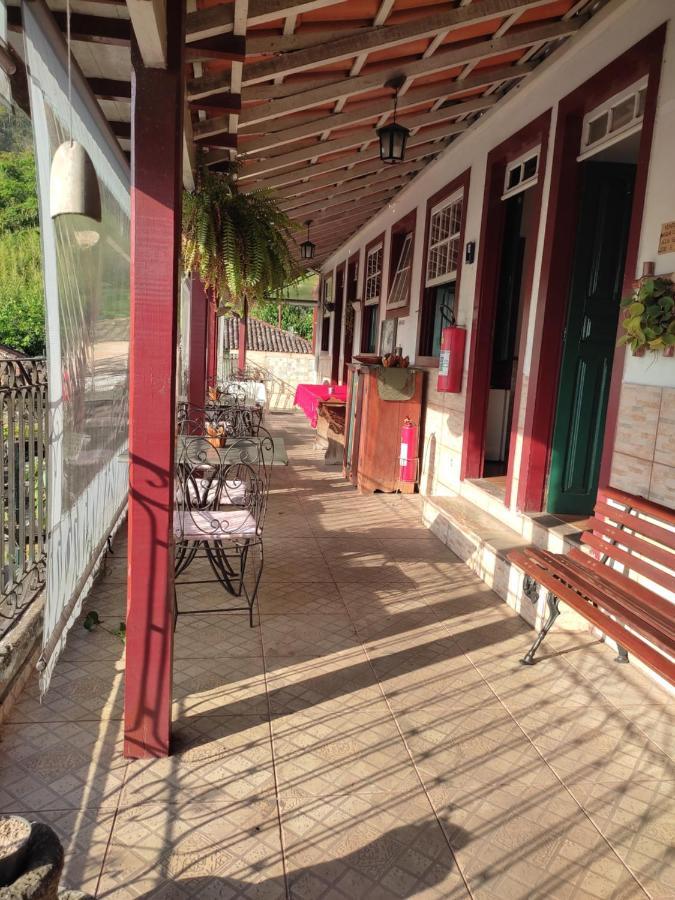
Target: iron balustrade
column 23, row 486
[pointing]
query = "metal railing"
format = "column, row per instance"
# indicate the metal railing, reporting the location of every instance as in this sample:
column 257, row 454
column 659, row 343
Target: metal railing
column 23, row 485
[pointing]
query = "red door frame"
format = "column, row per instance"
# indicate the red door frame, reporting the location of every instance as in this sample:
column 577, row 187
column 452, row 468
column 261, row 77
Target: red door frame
column 644, row 58
column 534, row 134
column 351, row 289
column 157, row 129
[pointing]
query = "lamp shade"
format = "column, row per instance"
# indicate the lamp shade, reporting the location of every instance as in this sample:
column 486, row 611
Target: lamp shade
column 393, row 138
column 307, row 249
column 73, row 185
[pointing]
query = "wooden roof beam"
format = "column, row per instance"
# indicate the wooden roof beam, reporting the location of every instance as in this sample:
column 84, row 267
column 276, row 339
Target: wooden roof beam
column 85, row 28
column 384, row 37
column 148, row 18
column 352, row 188
column 216, row 20
column 415, row 121
column 429, row 148
column 308, row 96
column 223, row 47
column 444, row 130
column 110, row 89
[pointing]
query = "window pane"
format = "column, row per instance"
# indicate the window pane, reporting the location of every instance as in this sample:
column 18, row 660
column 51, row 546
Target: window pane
column 443, row 304
column 514, row 177
column 622, row 113
column 597, row 129
column 530, row 167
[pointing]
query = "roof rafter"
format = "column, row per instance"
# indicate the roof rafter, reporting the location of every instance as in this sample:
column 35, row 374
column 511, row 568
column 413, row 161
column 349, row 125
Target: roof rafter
column 220, row 19
column 383, row 37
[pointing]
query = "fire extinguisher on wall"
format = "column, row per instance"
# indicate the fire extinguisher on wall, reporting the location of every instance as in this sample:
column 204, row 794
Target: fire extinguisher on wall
column 409, row 446
column 451, row 361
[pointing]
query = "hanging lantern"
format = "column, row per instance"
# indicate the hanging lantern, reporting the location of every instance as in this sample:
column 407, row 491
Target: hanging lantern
column 73, row 185
column 393, row 138
column 307, row 248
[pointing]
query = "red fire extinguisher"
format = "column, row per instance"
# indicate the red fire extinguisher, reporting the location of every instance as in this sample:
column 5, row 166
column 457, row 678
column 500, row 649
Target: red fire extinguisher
column 451, row 362
column 409, row 445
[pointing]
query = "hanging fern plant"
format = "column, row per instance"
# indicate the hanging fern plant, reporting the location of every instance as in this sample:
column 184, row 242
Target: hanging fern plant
column 240, row 245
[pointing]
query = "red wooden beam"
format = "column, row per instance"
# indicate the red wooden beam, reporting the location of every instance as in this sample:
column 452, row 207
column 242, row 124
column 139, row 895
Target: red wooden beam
column 87, row 28
column 218, row 104
column 199, row 319
column 212, row 345
column 221, row 47
column 157, row 109
column 243, row 327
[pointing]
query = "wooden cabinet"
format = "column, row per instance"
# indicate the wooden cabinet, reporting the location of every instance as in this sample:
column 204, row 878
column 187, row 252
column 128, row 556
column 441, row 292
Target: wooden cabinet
column 373, row 425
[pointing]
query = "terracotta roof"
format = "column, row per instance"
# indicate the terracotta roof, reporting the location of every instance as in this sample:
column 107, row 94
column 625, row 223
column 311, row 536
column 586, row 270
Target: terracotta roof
column 263, row 336
column 10, row 353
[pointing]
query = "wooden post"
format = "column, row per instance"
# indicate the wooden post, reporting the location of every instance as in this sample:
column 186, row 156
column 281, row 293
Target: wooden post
column 157, row 137
column 199, row 319
column 212, row 345
column 243, row 327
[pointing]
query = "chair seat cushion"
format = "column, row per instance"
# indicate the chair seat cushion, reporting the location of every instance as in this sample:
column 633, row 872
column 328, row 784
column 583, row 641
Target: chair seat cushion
column 214, row 525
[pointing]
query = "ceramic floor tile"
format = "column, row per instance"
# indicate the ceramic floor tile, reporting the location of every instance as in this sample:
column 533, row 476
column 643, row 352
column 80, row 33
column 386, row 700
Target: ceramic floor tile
column 79, row 690
column 344, row 680
column 300, row 598
column 320, row 753
column 226, row 759
column 319, row 635
column 207, row 852
column 219, row 686
column 367, row 848
column 61, row 765
column 224, row 634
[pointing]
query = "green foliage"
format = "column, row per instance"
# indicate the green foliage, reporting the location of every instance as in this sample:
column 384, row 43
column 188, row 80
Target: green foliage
column 16, row 133
column 649, row 320
column 293, row 318
column 22, row 317
column 18, row 191
column 239, row 244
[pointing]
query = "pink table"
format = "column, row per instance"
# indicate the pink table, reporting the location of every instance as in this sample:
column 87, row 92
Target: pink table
column 308, row 397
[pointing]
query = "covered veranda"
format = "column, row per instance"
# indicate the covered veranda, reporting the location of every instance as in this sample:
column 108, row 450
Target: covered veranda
column 375, row 736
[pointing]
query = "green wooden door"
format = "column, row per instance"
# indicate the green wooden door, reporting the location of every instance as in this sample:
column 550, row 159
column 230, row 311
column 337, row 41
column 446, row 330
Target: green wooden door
column 590, row 336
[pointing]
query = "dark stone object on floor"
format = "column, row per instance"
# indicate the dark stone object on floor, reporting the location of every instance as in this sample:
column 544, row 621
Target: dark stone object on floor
column 40, row 879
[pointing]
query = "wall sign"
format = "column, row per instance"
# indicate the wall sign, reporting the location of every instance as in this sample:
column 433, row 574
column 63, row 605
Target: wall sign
column 667, row 238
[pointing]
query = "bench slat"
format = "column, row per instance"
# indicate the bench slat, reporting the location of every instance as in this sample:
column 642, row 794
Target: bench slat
column 640, row 526
column 648, row 507
column 639, row 592
column 635, row 542
column 654, row 627
column 631, row 642
column 658, row 576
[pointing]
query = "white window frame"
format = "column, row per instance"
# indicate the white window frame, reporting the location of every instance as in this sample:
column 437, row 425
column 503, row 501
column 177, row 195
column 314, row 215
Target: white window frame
column 457, row 197
column 327, row 294
column 518, row 164
column 376, row 273
column 403, row 274
column 612, row 136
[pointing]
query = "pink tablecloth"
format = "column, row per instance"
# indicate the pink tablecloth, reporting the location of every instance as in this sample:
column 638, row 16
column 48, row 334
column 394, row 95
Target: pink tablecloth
column 308, row 397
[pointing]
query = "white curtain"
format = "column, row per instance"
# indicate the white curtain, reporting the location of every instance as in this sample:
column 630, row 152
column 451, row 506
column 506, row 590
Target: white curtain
column 86, row 272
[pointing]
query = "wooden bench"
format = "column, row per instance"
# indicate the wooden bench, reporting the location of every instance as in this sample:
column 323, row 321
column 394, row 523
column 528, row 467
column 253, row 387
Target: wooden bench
column 627, row 536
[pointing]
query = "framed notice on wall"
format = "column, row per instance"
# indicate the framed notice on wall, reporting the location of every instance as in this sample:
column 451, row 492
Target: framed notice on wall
column 667, row 238
column 388, row 336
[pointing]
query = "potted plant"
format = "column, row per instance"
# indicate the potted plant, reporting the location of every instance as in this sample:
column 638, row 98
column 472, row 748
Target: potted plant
column 649, row 320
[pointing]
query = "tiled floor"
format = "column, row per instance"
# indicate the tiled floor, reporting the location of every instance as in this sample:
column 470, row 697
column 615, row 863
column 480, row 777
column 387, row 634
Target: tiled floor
column 374, row 738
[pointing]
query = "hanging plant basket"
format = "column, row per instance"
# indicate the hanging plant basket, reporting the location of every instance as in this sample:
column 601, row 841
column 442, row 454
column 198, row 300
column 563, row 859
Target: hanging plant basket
column 649, row 320
column 240, row 245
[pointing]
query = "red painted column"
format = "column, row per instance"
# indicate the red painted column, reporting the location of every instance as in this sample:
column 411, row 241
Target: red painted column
column 157, row 134
column 199, row 319
column 212, row 341
column 243, row 325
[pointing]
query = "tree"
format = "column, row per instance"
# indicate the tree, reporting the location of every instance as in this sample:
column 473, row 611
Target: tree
column 22, row 314
column 293, row 318
column 18, row 192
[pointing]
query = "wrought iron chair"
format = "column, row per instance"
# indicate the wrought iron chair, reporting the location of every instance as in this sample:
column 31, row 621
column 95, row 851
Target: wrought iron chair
column 221, row 500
